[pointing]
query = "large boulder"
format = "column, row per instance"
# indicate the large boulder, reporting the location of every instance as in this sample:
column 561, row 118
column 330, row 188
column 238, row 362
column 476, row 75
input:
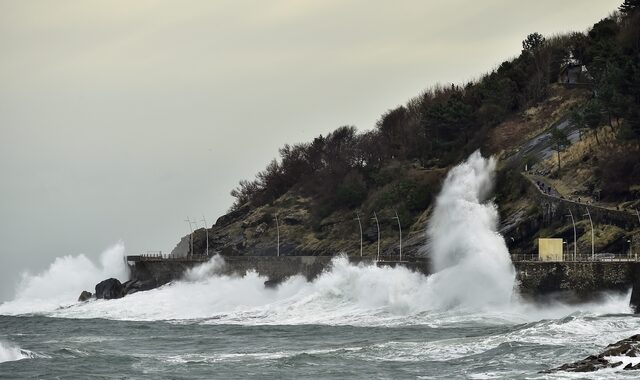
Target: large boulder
column 134, row 286
column 609, row 358
column 109, row 289
column 85, row 296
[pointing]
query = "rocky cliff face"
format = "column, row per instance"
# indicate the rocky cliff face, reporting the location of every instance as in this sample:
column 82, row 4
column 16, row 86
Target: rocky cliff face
column 253, row 231
column 519, row 142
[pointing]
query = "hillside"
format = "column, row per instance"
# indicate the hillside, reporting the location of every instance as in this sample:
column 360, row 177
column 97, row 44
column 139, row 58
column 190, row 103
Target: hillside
column 572, row 100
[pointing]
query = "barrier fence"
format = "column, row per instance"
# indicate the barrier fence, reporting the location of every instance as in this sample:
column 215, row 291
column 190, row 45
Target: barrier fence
column 578, row 258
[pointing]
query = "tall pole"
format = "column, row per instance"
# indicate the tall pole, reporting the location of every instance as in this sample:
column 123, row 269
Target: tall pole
column 593, row 240
column 400, row 231
column 575, row 236
column 360, row 225
column 638, row 214
column 375, row 217
column 278, row 230
column 190, row 237
column 206, row 231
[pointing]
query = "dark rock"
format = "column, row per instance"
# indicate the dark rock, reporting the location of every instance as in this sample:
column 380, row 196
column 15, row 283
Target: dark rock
column 635, row 295
column 134, row 286
column 272, row 283
column 371, row 234
column 293, row 220
column 232, row 216
column 629, row 347
column 85, row 296
column 109, row 289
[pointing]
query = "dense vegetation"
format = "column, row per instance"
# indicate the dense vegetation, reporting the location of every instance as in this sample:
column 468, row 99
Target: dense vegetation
column 347, row 169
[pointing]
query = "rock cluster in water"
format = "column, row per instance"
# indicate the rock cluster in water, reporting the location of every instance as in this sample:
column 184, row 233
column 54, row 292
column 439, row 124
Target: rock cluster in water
column 609, row 358
column 112, row 288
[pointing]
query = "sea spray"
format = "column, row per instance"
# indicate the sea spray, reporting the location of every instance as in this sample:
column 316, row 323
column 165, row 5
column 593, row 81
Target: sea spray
column 213, row 267
column 474, row 281
column 469, row 255
column 10, row 352
column 61, row 283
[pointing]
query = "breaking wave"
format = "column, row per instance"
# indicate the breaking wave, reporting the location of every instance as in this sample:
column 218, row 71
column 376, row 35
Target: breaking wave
column 61, row 283
column 470, row 258
column 10, row 352
column 474, row 281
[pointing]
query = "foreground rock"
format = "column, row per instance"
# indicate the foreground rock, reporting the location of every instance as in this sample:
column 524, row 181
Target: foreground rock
column 615, row 355
column 85, row 296
column 134, row 286
column 109, row 289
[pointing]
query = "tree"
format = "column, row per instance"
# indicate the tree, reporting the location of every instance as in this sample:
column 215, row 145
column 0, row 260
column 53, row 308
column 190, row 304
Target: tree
column 532, row 42
column 592, row 116
column 577, row 118
column 629, row 6
column 532, row 49
column 559, row 141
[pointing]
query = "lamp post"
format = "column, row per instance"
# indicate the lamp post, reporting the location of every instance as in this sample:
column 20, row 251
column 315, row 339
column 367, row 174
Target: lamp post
column 575, row 249
column 593, row 250
column 375, row 217
column 360, row 225
column 630, row 241
column 190, row 237
column 206, row 232
column 278, row 231
column 399, row 231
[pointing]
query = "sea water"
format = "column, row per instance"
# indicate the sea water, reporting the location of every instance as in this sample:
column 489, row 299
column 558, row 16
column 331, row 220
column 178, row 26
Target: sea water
column 353, row 321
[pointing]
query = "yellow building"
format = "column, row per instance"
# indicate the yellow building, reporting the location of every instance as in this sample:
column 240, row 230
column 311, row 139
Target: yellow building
column 550, row 249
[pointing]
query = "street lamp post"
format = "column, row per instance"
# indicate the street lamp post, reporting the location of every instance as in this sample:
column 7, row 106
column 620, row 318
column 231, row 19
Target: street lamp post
column 593, row 250
column 190, row 237
column 575, row 249
column 360, row 225
column 278, row 231
column 206, row 232
column 399, row 231
column 375, row 217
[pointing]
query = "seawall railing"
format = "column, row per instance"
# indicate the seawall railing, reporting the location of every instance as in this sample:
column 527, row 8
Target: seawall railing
column 577, row 258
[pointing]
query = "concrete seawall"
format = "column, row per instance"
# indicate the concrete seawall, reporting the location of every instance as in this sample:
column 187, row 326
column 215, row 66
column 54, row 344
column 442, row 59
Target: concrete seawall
column 577, row 281
column 565, row 281
column 271, row 267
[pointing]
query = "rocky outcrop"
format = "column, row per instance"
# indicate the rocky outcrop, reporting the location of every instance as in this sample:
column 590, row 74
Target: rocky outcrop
column 109, row 289
column 611, row 357
column 85, row 296
column 136, row 285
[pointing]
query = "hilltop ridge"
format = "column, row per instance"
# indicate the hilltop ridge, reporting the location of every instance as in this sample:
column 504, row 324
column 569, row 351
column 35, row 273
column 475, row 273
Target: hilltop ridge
column 566, row 111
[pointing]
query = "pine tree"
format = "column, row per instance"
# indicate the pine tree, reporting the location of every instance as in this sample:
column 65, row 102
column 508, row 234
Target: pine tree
column 629, row 6
column 560, row 142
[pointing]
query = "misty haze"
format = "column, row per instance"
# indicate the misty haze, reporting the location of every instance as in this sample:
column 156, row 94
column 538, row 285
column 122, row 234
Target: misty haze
column 320, row 189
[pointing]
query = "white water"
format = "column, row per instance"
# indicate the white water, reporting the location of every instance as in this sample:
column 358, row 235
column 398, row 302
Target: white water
column 470, row 257
column 474, row 283
column 10, row 352
column 64, row 280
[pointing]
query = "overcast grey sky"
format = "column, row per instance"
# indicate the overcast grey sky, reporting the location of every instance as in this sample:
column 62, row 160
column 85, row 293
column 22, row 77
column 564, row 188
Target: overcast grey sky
column 118, row 119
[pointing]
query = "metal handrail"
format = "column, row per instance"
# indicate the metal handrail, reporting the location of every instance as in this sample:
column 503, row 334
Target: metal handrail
column 578, row 258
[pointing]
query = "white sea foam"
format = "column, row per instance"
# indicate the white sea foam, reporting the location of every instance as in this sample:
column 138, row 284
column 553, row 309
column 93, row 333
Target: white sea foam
column 469, row 256
column 474, row 282
column 10, row 352
column 61, row 283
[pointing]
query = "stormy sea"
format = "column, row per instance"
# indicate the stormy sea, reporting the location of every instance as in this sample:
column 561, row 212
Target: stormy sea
column 353, row 321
